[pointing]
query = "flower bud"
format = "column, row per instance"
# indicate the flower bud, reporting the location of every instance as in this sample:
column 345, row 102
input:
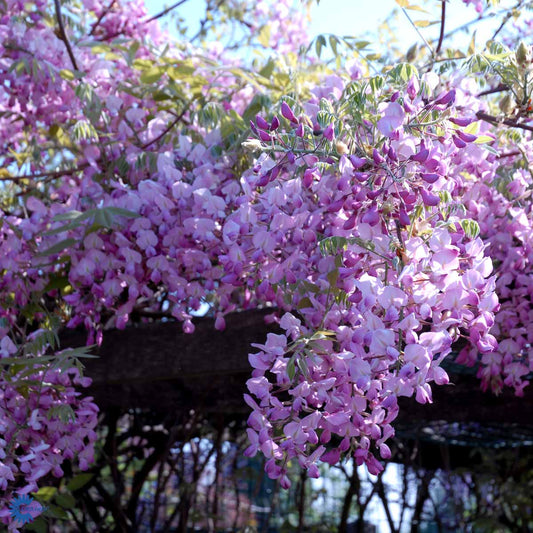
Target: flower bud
column 421, row 156
column 377, row 157
column 411, row 53
column 461, row 121
column 506, row 104
column 458, row 142
column 446, row 98
column 523, row 54
column 286, row 111
column 429, row 198
column 329, row 132
column 403, row 217
column 261, row 122
column 252, row 145
column 341, row 148
column 350, row 223
column 371, row 217
column 264, row 136
column 429, row 177
column 274, row 124
column 357, row 162
column 413, row 87
column 466, row 137
column 309, row 176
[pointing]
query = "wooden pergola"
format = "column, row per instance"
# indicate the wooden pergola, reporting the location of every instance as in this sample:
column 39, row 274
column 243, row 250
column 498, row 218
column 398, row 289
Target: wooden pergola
column 156, row 365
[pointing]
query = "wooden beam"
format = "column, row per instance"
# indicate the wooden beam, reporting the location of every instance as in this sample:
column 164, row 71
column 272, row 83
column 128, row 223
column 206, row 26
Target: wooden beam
column 157, row 366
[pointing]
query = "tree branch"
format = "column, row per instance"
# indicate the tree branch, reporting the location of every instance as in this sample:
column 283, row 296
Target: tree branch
column 498, row 89
column 102, row 15
column 508, row 154
column 442, row 22
column 167, row 10
column 507, row 121
column 64, row 37
column 418, row 31
column 168, row 128
column 53, row 174
column 204, row 21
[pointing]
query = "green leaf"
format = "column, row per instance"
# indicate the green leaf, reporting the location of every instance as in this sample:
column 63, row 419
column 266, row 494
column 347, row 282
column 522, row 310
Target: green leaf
column 101, row 48
column 291, row 368
column 70, row 75
column 264, row 36
column 82, row 352
column 70, row 215
column 333, row 276
column 67, row 227
column 319, row 44
column 304, row 303
column 470, row 227
column 27, row 361
column 58, row 247
column 416, row 8
column 181, row 71
column 57, row 512
column 424, row 23
column 67, row 501
column 483, row 139
column 120, row 211
column 39, row 525
column 325, row 333
column 45, row 494
column 268, row 69
column 102, row 217
column 333, row 41
column 79, row 481
column 376, row 83
column 152, row 75
column 302, row 365
column 472, row 45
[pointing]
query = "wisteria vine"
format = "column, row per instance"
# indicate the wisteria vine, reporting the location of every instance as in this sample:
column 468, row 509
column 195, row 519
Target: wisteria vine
column 385, row 219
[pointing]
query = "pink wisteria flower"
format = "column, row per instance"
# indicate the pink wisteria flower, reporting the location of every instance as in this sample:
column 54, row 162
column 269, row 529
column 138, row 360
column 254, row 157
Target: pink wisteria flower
column 392, row 119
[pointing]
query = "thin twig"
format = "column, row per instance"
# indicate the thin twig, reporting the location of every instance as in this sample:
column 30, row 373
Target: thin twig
column 64, row 37
column 166, row 130
column 464, row 26
column 418, row 31
column 151, row 19
column 508, row 154
column 102, row 15
column 482, row 18
column 498, row 89
column 52, row 174
column 508, row 122
column 442, row 21
column 500, row 27
column 167, row 10
column 204, row 21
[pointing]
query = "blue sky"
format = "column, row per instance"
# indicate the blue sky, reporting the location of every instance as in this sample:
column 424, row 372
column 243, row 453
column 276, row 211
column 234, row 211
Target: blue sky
column 362, row 17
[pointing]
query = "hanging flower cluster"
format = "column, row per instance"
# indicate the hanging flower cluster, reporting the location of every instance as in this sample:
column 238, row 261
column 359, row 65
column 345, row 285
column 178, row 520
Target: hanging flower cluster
column 43, row 422
column 403, row 278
